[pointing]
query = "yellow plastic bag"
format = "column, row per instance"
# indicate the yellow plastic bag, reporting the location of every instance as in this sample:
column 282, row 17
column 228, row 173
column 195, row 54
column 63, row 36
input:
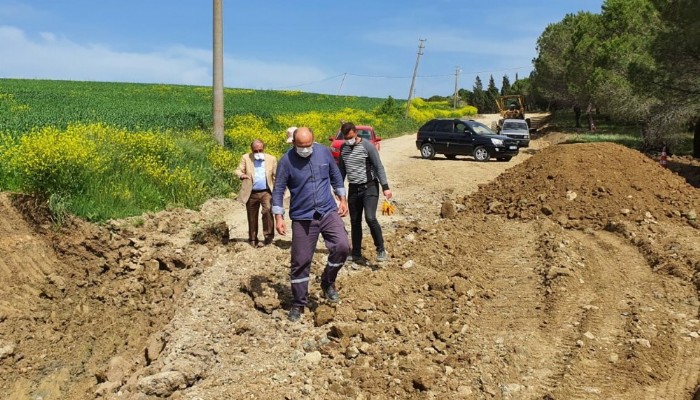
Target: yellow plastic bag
column 388, row 207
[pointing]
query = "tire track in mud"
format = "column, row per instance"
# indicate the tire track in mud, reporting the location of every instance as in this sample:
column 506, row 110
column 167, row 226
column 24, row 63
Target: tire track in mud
column 26, row 259
column 563, row 314
column 17, row 243
column 685, row 380
column 660, row 371
column 507, row 334
column 612, row 335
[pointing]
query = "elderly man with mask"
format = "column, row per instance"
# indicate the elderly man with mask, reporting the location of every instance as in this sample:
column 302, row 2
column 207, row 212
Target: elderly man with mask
column 310, row 172
column 257, row 171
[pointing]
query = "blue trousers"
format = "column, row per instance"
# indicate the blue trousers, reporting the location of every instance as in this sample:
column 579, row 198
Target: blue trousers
column 304, row 237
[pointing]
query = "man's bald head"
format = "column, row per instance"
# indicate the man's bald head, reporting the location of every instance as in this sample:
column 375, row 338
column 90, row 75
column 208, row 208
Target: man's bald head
column 303, row 137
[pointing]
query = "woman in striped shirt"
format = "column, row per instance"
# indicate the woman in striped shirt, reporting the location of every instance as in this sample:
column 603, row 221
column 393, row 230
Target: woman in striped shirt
column 359, row 161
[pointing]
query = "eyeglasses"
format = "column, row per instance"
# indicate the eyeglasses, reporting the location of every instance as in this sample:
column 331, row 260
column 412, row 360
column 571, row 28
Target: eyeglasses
column 258, row 151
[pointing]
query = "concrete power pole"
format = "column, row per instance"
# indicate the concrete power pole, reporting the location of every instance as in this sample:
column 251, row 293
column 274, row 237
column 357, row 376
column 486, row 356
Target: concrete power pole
column 454, row 104
column 421, row 45
column 341, row 83
column 218, row 67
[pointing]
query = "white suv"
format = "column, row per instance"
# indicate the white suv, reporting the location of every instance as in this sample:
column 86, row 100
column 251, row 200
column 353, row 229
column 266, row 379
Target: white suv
column 516, row 129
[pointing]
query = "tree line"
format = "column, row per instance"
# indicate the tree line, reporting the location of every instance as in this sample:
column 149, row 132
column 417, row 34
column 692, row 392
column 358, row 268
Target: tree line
column 636, row 62
column 485, row 99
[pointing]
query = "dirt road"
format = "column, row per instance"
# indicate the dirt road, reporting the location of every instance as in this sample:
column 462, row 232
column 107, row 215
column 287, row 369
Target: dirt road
column 570, row 272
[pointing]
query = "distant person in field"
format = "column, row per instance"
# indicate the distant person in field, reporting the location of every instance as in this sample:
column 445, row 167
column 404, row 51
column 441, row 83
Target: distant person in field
column 257, row 170
column 359, row 161
column 290, row 134
column 310, row 172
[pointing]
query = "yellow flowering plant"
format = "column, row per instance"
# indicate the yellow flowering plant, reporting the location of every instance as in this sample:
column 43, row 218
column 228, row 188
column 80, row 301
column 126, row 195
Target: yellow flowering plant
column 49, row 161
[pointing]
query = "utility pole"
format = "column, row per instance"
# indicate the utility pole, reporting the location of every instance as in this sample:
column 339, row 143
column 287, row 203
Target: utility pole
column 421, row 45
column 218, row 67
column 457, row 71
column 341, row 83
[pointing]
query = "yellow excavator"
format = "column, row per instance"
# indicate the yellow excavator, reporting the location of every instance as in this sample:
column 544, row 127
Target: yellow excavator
column 511, row 107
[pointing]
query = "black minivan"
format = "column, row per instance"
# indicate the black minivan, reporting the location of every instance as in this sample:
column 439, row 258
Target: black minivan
column 454, row 137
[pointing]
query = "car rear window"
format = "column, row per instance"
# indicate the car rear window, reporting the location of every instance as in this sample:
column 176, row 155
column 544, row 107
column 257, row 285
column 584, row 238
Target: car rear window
column 515, row 125
column 364, row 134
column 360, row 132
column 428, row 126
column 480, row 129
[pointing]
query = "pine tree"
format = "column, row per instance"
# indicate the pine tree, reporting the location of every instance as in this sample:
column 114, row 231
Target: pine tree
column 505, row 86
column 491, row 96
column 478, row 96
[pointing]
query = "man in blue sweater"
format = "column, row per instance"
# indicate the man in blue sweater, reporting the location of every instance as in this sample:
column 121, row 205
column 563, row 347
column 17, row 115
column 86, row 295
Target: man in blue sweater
column 310, row 172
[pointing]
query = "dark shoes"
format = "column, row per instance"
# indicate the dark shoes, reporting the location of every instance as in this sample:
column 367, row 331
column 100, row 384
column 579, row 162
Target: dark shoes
column 295, row 313
column 358, row 259
column 255, row 243
column 330, row 294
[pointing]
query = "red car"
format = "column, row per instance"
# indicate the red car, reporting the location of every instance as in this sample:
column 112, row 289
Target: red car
column 366, row 132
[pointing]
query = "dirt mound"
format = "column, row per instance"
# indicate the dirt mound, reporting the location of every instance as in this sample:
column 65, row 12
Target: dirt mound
column 603, row 186
column 471, row 304
column 78, row 304
column 589, row 185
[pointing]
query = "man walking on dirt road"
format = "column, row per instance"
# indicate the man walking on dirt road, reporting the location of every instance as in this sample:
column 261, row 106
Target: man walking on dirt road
column 310, row 172
column 257, row 171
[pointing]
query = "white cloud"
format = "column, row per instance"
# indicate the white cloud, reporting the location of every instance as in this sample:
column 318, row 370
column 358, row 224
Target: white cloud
column 49, row 56
column 48, row 36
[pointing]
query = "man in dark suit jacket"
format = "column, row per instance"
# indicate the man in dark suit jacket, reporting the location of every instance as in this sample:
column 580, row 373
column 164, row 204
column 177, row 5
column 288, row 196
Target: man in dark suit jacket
column 257, row 171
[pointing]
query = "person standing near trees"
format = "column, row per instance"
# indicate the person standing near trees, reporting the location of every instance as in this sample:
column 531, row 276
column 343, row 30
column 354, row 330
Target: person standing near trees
column 310, row 172
column 359, row 161
column 257, row 170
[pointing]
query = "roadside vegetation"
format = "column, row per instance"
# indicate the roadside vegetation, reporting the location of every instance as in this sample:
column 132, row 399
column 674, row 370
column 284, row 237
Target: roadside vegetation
column 628, row 74
column 636, row 63
column 107, row 150
column 608, row 130
column 112, row 150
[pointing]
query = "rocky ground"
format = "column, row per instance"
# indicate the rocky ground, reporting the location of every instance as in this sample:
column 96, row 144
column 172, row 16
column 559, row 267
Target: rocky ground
column 570, row 272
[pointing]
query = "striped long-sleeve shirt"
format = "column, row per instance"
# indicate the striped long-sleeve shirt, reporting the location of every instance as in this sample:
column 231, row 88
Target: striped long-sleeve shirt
column 361, row 164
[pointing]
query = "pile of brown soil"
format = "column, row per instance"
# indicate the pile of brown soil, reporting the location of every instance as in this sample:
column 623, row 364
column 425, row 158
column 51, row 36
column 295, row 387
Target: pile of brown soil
column 589, row 186
column 79, row 301
column 495, row 298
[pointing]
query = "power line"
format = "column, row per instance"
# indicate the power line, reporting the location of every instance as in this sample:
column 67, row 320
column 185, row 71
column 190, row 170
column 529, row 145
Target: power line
column 312, row 82
column 400, row 77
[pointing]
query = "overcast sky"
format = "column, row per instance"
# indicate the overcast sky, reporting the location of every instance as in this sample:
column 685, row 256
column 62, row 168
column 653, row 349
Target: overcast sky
column 359, row 47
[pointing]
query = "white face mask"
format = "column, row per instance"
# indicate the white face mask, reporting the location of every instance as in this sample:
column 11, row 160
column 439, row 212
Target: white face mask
column 351, row 142
column 259, row 156
column 305, row 151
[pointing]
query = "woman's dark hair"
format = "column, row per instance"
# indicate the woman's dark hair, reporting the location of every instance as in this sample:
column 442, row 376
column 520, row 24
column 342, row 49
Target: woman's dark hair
column 347, row 127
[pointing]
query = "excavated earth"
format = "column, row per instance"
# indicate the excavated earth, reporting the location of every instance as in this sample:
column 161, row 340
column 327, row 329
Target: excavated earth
column 570, row 272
